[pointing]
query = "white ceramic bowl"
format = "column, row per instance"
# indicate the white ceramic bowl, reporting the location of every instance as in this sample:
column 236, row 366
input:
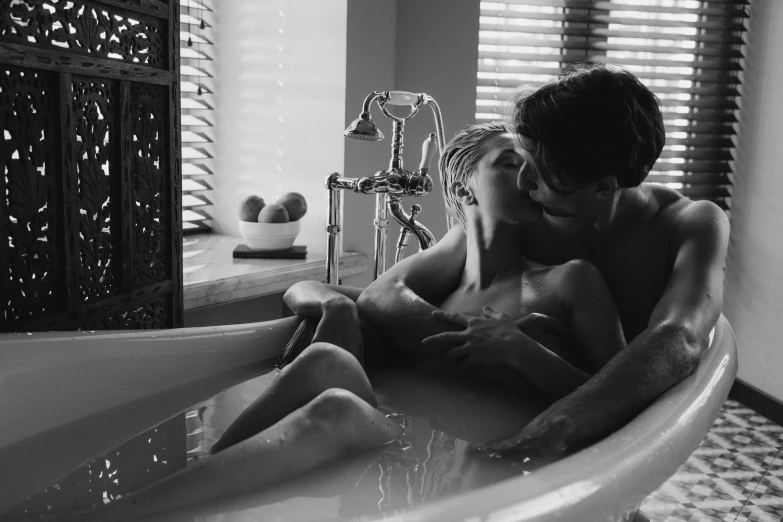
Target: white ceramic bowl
column 269, row 236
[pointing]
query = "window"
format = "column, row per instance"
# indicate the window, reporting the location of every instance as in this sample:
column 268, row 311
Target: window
column 197, row 88
column 686, row 51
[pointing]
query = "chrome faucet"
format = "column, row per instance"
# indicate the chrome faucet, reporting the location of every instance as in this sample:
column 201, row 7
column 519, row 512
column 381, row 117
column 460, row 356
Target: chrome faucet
column 390, row 185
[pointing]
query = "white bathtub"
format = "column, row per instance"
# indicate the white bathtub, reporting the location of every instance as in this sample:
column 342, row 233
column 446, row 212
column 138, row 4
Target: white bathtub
column 66, row 398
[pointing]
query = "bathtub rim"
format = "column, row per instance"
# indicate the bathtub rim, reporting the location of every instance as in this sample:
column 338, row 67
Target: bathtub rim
column 604, row 474
column 201, row 372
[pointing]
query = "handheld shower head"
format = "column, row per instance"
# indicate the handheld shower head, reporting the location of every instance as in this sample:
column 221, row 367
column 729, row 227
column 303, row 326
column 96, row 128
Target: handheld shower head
column 363, row 128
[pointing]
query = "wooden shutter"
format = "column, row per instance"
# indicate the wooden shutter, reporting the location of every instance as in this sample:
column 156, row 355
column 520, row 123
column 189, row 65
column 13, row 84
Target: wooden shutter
column 686, row 51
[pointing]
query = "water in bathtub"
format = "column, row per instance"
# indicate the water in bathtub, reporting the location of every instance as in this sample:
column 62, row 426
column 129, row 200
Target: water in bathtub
column 430, row 461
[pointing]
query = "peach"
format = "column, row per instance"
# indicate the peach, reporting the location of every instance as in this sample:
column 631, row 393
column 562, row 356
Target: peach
column 295, row 204
column 273, row 213
column 249, row 208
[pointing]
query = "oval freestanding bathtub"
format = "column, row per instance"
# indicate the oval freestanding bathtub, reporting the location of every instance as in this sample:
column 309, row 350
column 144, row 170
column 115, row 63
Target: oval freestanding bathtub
column 66, row 398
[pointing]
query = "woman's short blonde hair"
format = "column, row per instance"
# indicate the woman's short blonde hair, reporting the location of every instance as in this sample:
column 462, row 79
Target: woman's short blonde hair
column 459, row 160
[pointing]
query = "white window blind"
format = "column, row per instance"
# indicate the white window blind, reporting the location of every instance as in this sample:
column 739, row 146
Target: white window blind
column 688, row 52
column 197, row 87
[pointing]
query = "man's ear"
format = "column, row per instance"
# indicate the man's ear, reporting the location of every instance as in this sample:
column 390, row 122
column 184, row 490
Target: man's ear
column 463, row 193
column 606, row 188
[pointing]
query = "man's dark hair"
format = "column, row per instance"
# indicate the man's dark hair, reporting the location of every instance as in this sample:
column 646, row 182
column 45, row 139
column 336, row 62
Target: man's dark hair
column 594, row 121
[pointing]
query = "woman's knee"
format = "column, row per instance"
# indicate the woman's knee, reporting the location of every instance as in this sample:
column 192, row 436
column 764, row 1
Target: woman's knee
column 323, row 365
column 338, row 407
column 323, row 358
column 350, row 419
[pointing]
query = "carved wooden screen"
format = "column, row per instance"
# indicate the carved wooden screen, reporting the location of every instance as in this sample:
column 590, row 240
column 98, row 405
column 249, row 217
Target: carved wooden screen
column 90, row 213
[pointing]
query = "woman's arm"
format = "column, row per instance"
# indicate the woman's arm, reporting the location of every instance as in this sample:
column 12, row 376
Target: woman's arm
column 338, row 319
column 400, row 302
column 312, row 298
column 592, row 319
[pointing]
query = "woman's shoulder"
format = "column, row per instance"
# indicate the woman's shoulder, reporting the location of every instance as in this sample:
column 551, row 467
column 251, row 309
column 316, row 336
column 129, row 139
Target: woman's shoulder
column 572, row 278
column 577, row 269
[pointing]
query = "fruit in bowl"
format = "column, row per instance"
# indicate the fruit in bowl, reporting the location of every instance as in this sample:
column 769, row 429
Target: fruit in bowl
column 273, row 213
column 272, row 227
column 249, row 208
column 295, row 205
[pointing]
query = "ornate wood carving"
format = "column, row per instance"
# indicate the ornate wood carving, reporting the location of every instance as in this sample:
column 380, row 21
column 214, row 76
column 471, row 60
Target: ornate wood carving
column 90, row 221
column 85, row 27
column 32, row 283
column 150, row 171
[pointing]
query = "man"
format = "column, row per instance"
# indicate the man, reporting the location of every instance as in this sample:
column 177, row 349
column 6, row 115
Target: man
column 589, row 140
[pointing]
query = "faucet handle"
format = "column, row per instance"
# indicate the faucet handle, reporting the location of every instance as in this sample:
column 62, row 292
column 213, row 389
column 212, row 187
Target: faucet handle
column 415, row 209
column 403, row 98
column 427, row 151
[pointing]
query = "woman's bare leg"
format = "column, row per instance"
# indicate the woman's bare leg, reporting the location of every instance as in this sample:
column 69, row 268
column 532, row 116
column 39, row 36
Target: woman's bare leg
column 333, row 424
column 320, row 366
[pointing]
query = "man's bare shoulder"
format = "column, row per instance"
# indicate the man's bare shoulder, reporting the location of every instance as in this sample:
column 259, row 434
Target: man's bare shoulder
column 673, row 207
column 688, row 218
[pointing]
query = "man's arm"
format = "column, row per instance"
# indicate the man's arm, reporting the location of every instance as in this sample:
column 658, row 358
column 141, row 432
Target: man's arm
column 400, row 302
column 666, row 352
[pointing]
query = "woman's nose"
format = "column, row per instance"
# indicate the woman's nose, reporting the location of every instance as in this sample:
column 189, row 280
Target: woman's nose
column 524, row 181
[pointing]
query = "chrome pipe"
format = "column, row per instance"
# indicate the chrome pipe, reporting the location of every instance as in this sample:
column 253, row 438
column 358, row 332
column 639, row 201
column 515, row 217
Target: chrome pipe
column 395, row 164
column 333, row 183
column 381, row 222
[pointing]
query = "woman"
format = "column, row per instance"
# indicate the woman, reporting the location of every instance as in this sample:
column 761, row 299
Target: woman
column 322, row 406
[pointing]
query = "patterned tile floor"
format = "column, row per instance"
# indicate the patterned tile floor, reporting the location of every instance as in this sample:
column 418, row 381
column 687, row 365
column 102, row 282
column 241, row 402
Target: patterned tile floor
column 735, row 475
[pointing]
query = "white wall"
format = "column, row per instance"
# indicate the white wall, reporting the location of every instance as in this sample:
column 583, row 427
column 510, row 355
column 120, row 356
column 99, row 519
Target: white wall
column 411, row 45
column 281, row 95
column 754, row 275
column 370, row 67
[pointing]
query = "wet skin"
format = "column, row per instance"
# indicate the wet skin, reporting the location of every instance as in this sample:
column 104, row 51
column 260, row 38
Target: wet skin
column 662, row 257
column 634, row 254
column 497, row 273
column 635, row 257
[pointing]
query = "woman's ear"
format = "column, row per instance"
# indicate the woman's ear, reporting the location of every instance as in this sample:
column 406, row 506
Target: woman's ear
column 462, row 193
column 606, row 188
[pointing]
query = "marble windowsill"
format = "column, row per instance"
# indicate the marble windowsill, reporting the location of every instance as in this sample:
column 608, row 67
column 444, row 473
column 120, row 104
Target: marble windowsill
column 212, row 276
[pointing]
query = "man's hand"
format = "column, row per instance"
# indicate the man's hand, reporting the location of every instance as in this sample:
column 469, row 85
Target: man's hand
column 540, row 442
column 496, row 341
column 497, row 330
column 485, row 341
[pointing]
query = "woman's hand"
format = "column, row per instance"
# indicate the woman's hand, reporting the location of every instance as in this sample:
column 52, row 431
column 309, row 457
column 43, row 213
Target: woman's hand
column 313, row 299
column 337, row 314
column 339, row 325
column 486, row 341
